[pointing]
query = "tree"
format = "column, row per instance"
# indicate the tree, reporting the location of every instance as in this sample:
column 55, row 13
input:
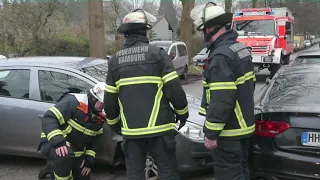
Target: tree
column 227, row 5
column 186, row 23
column 96, row 28
column 254, row 3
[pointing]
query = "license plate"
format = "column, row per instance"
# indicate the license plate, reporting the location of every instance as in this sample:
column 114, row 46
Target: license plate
column 310, row 139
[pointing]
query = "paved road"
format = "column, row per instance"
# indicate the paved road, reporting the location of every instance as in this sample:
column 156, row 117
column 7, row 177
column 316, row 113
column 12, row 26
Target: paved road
column 18, row 168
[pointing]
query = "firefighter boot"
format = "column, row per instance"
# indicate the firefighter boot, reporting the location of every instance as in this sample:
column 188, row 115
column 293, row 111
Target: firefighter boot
column 47, row 169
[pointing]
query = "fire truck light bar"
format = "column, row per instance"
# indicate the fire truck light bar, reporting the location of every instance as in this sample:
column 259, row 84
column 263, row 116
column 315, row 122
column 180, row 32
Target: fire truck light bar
column 255, row 13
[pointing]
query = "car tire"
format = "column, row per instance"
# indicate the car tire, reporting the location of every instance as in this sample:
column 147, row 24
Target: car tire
column 184, row 75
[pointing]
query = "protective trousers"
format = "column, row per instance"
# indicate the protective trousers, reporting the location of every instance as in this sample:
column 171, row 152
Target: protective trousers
column 231, row 160
column 161, row 148
column 64, row 167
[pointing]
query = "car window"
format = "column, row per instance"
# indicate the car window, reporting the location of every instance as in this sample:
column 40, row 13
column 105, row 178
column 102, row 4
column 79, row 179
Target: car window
column 307, row 60
column 173, row 52
column 182, row 50
column 54, row 85
column 296, row 88
column 99, row 71
column 15, row 83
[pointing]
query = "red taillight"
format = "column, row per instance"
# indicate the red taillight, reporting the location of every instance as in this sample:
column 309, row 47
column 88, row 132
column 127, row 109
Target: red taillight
column 270, row 128
column 205, row 62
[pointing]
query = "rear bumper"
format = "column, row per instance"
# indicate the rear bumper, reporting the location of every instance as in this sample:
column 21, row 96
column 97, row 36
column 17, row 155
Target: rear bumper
column 192, row 156
column 274, row 165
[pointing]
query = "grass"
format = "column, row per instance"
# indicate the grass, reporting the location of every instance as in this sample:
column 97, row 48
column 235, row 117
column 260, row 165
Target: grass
column 195, row 70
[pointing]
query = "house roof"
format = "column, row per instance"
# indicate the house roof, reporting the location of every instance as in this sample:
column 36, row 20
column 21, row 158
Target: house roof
column 161, row 17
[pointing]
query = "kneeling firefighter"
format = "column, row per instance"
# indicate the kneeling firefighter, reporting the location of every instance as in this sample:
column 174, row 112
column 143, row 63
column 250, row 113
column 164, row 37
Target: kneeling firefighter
column 71, row 130
column 141, row 84
column 227, row 101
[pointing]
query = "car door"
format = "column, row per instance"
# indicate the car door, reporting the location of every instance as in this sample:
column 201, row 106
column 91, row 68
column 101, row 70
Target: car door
column 18, row 118
column 183, row 58
column 174, row 56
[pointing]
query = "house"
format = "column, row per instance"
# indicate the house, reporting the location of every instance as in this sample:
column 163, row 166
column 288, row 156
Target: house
column 162, row 29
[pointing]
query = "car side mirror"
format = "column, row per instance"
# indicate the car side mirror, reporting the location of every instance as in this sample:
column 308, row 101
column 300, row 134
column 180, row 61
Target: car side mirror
column 268, row 80
column 288, row 32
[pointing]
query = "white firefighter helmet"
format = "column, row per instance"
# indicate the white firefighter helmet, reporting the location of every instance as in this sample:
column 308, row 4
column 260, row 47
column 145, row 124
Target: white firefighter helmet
column 98, row 91
column 209, row 15
column 138, row 19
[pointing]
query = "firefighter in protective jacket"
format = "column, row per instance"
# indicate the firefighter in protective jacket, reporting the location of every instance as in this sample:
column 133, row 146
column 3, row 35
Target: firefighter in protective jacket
column 227, row 102
column 71, row 130
column 141, row 84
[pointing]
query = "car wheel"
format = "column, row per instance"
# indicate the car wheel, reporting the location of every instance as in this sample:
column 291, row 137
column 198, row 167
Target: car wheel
column 151, row 170
column 185, row 73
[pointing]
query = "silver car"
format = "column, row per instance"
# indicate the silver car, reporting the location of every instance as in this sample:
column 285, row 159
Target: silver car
column 201, row 57
column 29, row 86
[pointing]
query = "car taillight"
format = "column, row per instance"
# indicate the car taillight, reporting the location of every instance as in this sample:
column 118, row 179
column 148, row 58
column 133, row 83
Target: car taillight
column 205, row 62
column 270, row 128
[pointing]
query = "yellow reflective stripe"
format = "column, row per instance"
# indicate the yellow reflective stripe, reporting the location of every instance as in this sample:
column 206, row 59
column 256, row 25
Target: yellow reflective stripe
column 83, row 129
column 201, row 110
column 90, row 153
column 54, row 133
column 111, row 89
column 43, row 135
column 78, row 153
column 69, row 177
column 138, row 80
column 246, row 77
column 170, row 76
column 148, row 130
column 205, row 84
column 222, row 85
column 156, row 106
column 214, row 126
column 238, row 132
column 208, row 96
column 182, row 111
column 123, row 119
column 67, row 131
column 58, row 115
column 113, row 121
column 100, row 131
column 238, row 112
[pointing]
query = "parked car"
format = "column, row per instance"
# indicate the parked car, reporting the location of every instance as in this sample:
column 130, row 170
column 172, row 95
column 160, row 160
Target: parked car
column 200, row 58
column 307, row 43
column 178, row 52
column 307, row 57
column 286, row 143
column 2, row 57
column 29, row 86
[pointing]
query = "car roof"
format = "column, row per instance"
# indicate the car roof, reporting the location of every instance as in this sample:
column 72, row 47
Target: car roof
column 302, row 68
column 168, row 42
column 310, row 53
column 49, row 61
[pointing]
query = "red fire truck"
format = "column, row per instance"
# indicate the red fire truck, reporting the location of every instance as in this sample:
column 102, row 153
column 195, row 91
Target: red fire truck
column 268, row 33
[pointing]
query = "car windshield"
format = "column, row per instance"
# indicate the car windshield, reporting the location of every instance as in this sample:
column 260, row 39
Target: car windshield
column 296, row 88
column 203, row 51
column 307, row 60
column 98, row 71
column 255, row 27
column 164, row 45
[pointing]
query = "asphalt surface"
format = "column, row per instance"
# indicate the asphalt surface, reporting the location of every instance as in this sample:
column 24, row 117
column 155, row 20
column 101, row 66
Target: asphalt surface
column 19, row 168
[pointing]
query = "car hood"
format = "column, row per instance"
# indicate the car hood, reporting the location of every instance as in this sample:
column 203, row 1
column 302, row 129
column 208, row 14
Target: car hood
column 200, row 56
column 194, row 104
column 284, row 107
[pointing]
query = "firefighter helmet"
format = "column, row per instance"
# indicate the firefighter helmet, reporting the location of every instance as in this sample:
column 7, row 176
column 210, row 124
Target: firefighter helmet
column 206, row 15
column 138, row 19
column 98, row 91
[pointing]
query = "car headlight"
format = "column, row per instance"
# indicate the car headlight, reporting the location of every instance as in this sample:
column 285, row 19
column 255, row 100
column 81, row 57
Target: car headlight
column 192, row 131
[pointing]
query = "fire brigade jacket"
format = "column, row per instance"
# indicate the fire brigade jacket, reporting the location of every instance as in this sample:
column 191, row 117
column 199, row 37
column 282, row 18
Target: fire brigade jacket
column 228, row 87
column 69, row 121
column 141, row 84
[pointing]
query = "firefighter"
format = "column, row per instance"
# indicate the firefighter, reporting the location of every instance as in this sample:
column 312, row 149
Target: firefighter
column 227, row 101
column 141, row 84
column 71, row 130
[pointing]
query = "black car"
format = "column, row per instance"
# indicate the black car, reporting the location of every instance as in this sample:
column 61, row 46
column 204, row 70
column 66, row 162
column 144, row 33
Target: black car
column 286, row 144
column 307, row 57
